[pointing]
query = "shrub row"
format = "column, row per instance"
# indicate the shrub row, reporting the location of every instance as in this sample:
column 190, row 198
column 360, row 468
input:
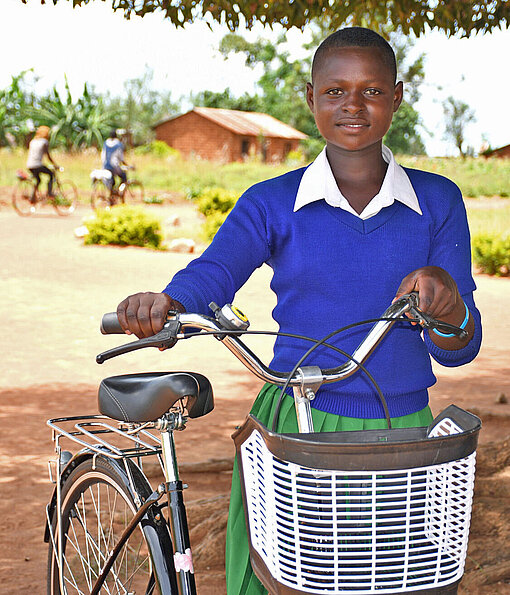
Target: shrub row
column 133, row 226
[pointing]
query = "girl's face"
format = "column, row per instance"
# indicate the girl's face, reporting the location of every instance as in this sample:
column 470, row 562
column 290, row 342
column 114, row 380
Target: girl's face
column 353, row 98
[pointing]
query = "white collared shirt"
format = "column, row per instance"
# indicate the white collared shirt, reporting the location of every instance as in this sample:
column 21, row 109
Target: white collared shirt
column 319, row 183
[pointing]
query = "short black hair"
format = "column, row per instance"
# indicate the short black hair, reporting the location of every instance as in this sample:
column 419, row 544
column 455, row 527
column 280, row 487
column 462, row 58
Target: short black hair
column 355, row 37
column 113, row 133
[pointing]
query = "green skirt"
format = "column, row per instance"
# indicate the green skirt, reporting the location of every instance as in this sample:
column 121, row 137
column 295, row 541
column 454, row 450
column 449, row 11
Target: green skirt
column 241, row 579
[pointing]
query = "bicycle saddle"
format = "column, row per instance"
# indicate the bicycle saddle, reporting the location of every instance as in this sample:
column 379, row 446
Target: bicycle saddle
column 149, row 395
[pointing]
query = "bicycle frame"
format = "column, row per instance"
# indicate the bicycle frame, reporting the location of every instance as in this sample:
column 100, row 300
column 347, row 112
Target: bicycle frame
column 172, row 575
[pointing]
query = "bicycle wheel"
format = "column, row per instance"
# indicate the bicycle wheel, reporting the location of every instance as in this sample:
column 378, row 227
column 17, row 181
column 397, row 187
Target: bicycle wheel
column 101, row 197
column 134, row 193
column 66, row 196
column 22, row 198
column 97, row 505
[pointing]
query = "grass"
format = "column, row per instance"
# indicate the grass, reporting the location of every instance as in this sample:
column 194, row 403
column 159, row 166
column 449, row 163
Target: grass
column 475, row 176
column 158, row 174
column 493, row 220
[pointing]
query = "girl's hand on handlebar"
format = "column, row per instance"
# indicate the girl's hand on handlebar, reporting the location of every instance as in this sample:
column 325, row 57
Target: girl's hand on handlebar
column 144, row 314
column 440, row 298
column 437, row 291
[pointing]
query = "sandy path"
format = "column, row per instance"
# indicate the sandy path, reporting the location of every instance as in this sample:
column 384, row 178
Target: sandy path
column 55, row 291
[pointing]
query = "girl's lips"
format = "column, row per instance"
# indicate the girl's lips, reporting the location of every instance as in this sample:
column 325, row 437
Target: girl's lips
column 353, row 124
column 352, row 127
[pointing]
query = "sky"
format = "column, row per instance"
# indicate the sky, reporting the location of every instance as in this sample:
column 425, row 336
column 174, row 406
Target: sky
column 95, row 45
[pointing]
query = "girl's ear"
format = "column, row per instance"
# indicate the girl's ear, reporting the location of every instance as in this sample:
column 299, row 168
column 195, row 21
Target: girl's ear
column 309, row 96
column 398, row 96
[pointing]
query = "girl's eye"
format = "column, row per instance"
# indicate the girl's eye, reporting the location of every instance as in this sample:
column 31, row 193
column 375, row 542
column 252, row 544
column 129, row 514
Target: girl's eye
column 372, row 92
column 334, row 92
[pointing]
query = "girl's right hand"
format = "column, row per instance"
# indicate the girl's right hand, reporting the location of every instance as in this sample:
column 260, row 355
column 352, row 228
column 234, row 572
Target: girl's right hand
column 144, row 314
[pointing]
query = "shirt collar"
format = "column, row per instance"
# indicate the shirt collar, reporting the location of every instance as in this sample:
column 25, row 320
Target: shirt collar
column 319, row 183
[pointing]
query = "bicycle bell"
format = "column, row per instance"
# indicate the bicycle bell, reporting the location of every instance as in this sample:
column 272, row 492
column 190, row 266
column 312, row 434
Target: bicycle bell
column 230, row 317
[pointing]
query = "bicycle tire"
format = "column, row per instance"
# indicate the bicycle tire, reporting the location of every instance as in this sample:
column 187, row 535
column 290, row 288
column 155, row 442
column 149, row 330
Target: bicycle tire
column 97, row 505
column 66, row 197
column 133, row 193
column 101, row 197
column 22, row 198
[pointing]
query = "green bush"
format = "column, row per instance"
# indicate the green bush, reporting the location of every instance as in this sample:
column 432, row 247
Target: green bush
column 153, row 200
column 124, row 225
column 158, row 148
column 491, row 253
column 212, row 224
column 215, row 200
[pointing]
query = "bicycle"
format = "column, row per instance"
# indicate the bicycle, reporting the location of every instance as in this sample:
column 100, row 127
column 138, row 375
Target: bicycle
column 342, row 512
column 26, row 199
column 106, row 195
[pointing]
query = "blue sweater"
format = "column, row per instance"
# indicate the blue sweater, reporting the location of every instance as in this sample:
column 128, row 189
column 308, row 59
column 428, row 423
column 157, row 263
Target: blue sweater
column 330, row 268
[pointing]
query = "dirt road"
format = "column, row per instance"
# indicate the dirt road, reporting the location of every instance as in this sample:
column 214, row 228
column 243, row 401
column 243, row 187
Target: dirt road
column 55, row 291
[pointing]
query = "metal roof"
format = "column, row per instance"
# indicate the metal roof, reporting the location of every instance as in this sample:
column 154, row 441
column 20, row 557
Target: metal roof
column 248, row 123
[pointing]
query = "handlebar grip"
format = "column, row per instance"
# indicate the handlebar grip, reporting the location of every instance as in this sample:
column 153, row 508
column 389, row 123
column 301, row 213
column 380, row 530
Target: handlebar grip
column 110, row 324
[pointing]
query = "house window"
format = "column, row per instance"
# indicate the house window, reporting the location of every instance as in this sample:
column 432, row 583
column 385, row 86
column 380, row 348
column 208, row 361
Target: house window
column 245, row 147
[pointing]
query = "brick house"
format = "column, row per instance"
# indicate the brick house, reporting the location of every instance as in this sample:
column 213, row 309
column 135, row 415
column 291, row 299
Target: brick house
column 229, row 135
column 502, row 152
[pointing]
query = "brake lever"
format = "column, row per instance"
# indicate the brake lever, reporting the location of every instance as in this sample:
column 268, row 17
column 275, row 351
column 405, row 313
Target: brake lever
column 430, row 323
column 166, row 338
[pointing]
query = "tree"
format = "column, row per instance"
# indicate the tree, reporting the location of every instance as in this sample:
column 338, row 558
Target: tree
column 404, row 137
column 225, row 99
column 142, row 106
column 74, row 124
column 13, row 104
column 282, row 88
column 450, row 16
column 457, row 116
column 282, row 84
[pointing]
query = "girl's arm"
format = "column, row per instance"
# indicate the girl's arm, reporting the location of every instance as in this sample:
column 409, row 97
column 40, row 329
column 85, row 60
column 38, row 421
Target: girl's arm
column 446, row 285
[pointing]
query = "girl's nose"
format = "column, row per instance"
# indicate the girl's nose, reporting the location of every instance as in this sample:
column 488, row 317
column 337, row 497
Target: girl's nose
column 352, row 104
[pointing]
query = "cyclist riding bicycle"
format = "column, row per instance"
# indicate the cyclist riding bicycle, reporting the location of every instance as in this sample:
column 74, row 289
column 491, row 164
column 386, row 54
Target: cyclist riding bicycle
column 37, row 150
column 112, row 158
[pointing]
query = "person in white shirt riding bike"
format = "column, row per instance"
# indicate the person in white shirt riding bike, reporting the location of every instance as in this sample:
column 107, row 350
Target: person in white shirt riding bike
column 37, row 150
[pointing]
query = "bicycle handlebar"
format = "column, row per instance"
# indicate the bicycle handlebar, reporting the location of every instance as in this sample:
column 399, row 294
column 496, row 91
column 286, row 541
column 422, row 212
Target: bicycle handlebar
column 177, row 323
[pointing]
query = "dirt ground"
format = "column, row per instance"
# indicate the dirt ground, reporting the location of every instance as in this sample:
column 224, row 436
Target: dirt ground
column 55, row 291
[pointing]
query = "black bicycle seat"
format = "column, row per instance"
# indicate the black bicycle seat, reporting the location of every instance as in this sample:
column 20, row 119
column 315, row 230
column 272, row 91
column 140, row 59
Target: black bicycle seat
column 149, row 395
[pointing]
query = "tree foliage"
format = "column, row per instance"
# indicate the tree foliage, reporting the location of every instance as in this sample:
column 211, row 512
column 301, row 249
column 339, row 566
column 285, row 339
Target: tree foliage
column 281, row 89
column 74, row 123
column 85, row 120
column 404, row 135
column 283, row 81
column 141, row 106
column 451, row 16
column 14, row 100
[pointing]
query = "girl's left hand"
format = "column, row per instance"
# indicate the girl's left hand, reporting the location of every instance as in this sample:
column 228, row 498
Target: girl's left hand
column 438, row 292
column 439, row 297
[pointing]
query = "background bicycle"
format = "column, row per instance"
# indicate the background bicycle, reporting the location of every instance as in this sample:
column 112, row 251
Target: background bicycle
column 105, row 194
column 108, row 529
column 27, row 200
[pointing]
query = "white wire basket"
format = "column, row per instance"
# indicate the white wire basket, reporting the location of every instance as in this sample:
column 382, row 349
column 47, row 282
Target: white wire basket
column 387, row 511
